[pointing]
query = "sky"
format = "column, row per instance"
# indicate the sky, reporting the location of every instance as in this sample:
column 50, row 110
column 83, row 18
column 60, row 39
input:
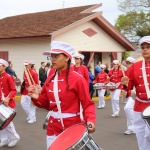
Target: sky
column 16, row 7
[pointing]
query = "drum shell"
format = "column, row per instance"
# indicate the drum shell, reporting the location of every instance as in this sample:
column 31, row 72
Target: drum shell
column 6, row 115
column 70, row 139
column 147, row 118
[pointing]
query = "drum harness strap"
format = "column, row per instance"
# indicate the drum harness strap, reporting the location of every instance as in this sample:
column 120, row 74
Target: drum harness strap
column 57, row 98
column 145, row 79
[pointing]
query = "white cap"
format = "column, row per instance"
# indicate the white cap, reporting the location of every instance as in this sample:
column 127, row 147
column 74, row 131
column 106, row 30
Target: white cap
column 27, row 62
column 131, row 59
column 145, row 39
column 4, row 62
column 116, row 62
column 78, row 55
column 60, row 47
column 102, row 66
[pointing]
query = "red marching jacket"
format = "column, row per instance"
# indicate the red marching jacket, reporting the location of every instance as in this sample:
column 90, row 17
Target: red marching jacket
column 69, row 101
column 8, row 89
column 136, row 79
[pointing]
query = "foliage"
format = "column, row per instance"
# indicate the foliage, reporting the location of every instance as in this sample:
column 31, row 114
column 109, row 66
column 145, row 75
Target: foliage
column 135, row 22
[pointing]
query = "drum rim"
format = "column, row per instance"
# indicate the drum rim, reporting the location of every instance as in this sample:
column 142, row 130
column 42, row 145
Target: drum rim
column 145, row 117
column 12, row 115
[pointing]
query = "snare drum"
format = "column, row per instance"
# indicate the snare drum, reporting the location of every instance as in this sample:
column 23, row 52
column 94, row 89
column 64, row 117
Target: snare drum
column 74, row 138
column 146, row 115
column 6, row 115
column 99, row 86
column 111, row 85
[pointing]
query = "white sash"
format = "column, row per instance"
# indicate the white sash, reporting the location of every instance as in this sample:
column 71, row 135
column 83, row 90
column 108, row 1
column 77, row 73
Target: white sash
column 145, row 79
column 57, row 98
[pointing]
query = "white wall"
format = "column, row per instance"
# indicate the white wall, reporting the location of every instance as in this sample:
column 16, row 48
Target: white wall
column 25, row 49
column 99, row 42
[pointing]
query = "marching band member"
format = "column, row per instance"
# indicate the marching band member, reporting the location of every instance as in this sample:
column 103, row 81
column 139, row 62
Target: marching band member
column 129, row 102
column 81, row 69
column 139, row 76
column 101, row 77
column 8, row 136
column 62, row 94
column 26, row 102
column 115, row 75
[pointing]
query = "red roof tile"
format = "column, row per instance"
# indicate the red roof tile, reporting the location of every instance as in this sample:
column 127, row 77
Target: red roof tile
column 41, row 23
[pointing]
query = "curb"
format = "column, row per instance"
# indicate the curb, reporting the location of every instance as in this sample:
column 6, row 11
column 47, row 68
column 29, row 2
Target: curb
column 94, row 98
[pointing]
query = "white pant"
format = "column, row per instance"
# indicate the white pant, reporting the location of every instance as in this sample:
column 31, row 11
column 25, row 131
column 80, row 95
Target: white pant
column 49, row 140
column 28, row 106
column 142, row 132
column 101, row 97
column 129, row 113
column 115, row 100
column 9, row 133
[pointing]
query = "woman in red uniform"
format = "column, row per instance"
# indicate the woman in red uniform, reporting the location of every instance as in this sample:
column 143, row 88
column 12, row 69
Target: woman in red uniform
column 115, row 75
column 81, row 69
column 139, row 76
column 62, row 94
column 102, row 77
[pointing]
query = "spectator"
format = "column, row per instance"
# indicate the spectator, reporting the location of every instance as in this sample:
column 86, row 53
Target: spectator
column 97, row 70
column 41, row 71
column 10, row 71
column 91, row 78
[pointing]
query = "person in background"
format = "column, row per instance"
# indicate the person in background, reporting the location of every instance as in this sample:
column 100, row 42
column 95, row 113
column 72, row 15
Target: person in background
column 124, row 65
column 81, row 69
column 73, row 90
column 91, row 78
column 26, row 103
column 41, row 70
column 139, row 77
column 115, row 75
column 97, row 70
column 102, row 78
column 44, row 76
column 8, row 136
column 10, row 71
column 129, row 102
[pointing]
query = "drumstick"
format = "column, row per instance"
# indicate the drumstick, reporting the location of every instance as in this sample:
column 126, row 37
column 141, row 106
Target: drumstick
column 27, row 75
column 123, row 73
column 30, row 76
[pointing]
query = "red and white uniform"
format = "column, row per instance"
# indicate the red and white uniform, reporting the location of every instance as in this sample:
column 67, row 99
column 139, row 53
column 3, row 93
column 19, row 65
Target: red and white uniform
column 129, row 108
column 116, row 75
column 101, row 78
column 141, row 102
column 69, row 101
column 7, row 87
column 26, row 103
column 83, row 71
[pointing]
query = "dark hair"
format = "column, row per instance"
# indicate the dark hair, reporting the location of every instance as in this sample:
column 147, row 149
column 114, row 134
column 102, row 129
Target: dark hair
column 67, row 75
column 42, row 62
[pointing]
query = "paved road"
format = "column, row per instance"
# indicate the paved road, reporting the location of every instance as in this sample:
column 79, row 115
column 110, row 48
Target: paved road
column 109, row 131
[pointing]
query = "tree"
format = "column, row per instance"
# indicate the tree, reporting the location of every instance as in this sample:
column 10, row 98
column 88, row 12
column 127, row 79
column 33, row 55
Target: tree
column 134, row 5
column 135, row 23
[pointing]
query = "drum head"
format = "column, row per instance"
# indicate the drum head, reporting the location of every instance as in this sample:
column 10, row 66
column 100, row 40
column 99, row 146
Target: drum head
column 68, row 138
column 146, row 113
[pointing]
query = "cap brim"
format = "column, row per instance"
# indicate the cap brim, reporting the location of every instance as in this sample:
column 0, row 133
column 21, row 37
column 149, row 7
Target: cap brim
column 26, row 63
column 49, row 53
